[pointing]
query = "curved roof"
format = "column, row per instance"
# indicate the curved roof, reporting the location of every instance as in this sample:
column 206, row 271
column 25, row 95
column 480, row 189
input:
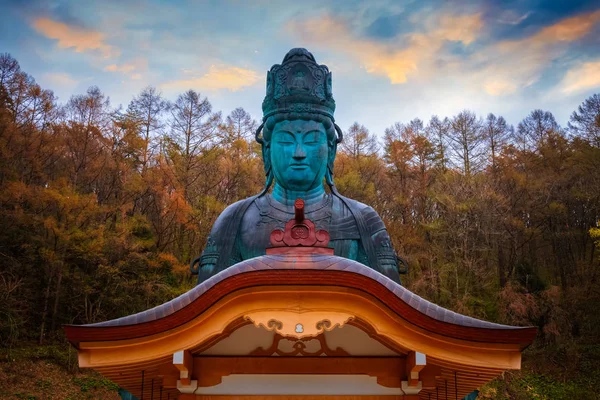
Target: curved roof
column 301, row 269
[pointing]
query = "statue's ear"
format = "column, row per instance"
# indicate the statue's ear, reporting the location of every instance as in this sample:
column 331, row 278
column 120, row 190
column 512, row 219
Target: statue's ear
column 331, row 155
column 265, row 147
column 266, row 153
column 330, row 162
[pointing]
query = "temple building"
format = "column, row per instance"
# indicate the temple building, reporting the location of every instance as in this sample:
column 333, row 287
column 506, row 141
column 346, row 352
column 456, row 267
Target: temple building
column 299, row 323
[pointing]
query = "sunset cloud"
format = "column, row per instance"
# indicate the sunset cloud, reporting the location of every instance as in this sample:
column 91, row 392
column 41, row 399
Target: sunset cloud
column 514, row 64
column 218, row 77
column 80, row 39
column 131, row 68
column 498, row 69
column 583, row 77
column 123, row 68
column 499, row 86
column 563, row 32
column 61, row 79
column 568, row 30
column 384, row 59
column 459, row 28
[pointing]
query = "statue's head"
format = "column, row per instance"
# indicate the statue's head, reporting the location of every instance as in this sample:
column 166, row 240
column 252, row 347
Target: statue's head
column 300, row 138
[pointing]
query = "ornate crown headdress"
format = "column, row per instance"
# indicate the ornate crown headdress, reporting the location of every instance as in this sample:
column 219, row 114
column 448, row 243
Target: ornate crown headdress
column 298, row 85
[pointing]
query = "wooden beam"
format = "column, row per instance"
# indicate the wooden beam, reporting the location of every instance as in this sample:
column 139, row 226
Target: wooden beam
column 183, row 361
column 301, row 397
column 415, row 362
column 214, row 368
column 428, row 376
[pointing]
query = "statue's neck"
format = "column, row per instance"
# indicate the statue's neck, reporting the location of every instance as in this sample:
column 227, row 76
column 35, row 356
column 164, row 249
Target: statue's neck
column 287, row 197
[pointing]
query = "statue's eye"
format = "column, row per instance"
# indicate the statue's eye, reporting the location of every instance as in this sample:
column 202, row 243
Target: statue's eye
column 312, row 138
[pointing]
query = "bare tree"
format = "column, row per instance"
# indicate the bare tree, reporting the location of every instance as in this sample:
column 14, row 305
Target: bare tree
column 437, row 131
column 90, row 109
column 193, row 133
column 8, row 68
column 535, row 128
column 585, row 122
column 496, row 132
column 358, row 141
column 414, row 128
column 146, row 110
column 88, row 120
column 239, row 125
column 465, row 142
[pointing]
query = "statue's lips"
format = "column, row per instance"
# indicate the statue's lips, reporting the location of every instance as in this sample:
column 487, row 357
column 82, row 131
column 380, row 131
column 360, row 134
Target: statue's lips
column 299, row 166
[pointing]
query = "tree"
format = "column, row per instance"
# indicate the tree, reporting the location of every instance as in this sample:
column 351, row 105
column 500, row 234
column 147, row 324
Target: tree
column 15, row 82
column 358, row 141
column 465, row 142
column 240, row 164
column 437, row 131
column 358, row 169
column 88, row 119
column 192, row 153
column 239, row 125
column 193, row 132
column 585, row 122
column 146, row 111
column 412, row 154
column 535, row 128
column 496, row 132
column 414, row 128
column 9, row 67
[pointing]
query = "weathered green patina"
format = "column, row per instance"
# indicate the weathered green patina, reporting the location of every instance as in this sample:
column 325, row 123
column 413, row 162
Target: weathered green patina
column 299, row 143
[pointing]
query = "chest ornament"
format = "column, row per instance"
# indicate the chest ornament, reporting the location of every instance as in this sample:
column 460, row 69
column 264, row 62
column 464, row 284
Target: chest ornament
column 299, row 232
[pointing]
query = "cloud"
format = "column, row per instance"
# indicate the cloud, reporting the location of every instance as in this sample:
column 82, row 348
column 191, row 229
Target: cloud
column 498, row 69
column 512, row 18
column 499, row 86
column 218, row 77
column 580, row 78
column 61, row 79
column 514, row 64
column 459, row 28
column 567, row 30
column 131, row 68
column 123, row 68
column 383, row 58
column 80, row 39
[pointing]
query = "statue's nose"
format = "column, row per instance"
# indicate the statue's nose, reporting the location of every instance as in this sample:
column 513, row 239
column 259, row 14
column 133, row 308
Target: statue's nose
column 299, row 152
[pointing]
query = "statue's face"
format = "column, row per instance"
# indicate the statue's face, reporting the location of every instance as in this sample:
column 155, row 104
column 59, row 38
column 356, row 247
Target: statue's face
column 299, row 154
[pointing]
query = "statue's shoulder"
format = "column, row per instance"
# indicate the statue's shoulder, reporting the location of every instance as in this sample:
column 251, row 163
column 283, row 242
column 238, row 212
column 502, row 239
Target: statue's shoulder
column 372, row 220
column 228, row 221
column 355, row 205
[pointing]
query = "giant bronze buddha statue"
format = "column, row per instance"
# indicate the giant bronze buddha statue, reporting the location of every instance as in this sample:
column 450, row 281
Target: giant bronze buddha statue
column 299, row 142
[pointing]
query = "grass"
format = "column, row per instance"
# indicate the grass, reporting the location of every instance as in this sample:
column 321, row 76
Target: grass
column 49, row 372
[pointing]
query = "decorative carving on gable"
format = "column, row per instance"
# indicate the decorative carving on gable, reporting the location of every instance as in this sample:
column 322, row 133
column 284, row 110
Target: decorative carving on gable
column 213, row 340
column 297, row 324
column 299, row 348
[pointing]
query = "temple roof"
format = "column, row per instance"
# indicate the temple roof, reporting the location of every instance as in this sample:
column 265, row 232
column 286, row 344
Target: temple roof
column 301, row 269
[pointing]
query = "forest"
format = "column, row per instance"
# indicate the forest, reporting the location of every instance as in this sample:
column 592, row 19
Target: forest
column 102, row 208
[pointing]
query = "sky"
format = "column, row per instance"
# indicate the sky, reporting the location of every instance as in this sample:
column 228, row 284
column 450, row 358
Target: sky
column 391, row 60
